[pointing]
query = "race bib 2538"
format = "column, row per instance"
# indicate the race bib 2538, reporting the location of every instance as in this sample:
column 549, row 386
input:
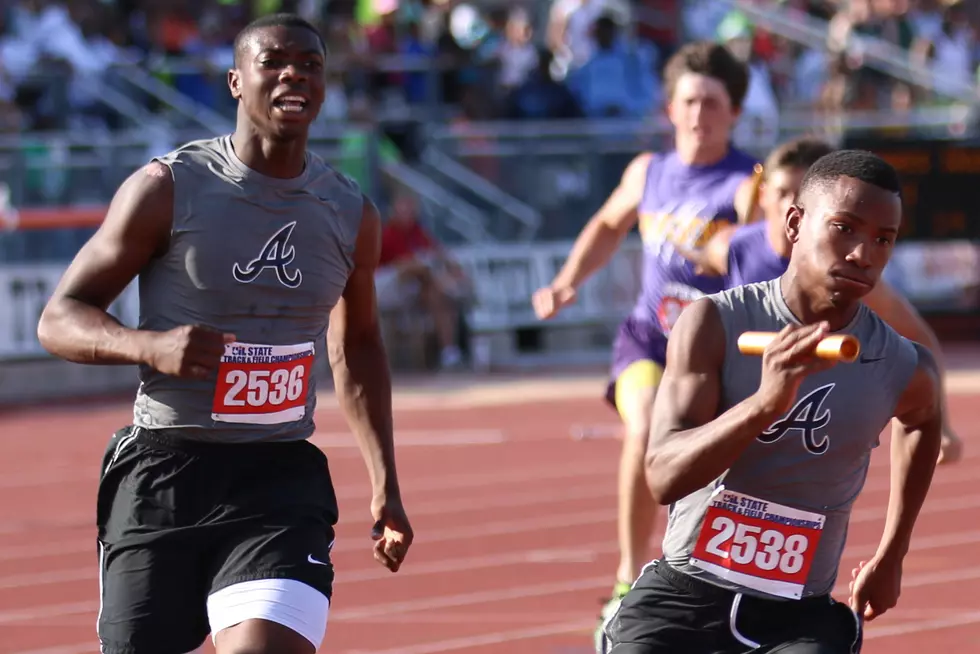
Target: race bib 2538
column 758, row 544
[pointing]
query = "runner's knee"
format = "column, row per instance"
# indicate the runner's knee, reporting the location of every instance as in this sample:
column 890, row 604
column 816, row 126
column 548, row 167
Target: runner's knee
column 268, row 616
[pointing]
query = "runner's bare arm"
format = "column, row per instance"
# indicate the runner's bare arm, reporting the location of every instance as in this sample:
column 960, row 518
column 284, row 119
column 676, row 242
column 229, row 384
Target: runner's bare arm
column 898, row 312
column 689, row 446
column 712, row 259
column 916, row 435
column 605, row 231
column 747, row 198
column 359, row 361
column 75, row 325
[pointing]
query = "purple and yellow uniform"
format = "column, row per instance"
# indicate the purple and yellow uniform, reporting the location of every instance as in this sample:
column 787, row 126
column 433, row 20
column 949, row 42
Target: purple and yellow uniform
column 681, row 205
column 751, row 257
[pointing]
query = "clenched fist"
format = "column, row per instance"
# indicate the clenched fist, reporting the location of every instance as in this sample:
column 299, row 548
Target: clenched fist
column 188, row 351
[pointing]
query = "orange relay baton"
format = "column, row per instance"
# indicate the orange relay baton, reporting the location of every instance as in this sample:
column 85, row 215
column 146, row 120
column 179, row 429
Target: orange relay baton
column 839, row 347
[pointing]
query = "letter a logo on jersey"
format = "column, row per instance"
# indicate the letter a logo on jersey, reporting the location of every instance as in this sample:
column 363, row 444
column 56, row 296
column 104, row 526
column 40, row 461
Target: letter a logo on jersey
column 805, row 417
column 276, row 254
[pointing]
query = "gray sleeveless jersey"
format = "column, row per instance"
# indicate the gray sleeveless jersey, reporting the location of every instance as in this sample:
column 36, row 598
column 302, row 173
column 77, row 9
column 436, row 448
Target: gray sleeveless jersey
column 265, row 259
column 813, row 460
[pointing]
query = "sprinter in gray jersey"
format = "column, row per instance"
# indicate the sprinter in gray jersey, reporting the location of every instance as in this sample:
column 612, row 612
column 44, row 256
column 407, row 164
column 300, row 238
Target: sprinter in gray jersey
column 215, row 513
column 761, row 459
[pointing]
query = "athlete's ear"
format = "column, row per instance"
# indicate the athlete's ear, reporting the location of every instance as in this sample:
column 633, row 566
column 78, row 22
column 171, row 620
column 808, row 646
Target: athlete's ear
column 670, row 111
column 794, row 222
column 235, row 84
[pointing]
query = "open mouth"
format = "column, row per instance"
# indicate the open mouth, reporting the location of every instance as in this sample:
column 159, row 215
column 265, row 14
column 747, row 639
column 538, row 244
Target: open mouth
column 290, row 104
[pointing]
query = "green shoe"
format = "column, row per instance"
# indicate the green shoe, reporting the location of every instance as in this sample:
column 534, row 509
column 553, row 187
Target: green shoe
column 602, row 644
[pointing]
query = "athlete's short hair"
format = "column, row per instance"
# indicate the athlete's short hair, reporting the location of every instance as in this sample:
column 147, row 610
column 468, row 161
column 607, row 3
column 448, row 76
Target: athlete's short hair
column 798, row 153
column 712, row 60
column 274, row 20
column 859, row 164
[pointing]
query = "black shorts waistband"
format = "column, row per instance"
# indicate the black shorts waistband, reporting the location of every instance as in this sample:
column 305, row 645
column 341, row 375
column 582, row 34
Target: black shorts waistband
column 176, row 440
column 707, row 590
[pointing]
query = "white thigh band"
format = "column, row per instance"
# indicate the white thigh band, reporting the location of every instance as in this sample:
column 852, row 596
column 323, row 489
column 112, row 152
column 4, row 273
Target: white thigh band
column 288, row 602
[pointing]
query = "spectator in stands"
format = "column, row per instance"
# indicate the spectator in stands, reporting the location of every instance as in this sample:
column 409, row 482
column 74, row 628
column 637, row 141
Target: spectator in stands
column 617, row 79
column 415, row 271
column 571, row 36
column 951, row 51
column 356, row 158
column 10, row 115
column 209, row 56
column 416, row 82
column 926, row 19
column 540, row 96
column 515, row 55
column 758, row 123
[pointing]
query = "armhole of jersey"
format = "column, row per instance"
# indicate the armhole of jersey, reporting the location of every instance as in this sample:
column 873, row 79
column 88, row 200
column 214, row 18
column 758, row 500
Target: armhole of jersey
column 907, row 362
column 725, row 308
column 654, row 158
column 733, row 272
column 165, row 161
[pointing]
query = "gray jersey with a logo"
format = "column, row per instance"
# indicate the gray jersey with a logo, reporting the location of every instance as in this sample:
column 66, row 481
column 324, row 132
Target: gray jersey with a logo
column 262, row 258
column 814, row 459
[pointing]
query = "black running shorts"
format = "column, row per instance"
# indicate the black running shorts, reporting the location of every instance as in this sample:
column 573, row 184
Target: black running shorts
column 668, row 612
column 178, row 520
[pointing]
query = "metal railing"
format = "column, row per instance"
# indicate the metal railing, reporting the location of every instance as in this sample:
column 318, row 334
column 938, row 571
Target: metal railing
column 525, row 219
column 450, row 218
column 480, row 182
column 876, row 53
column 69, row 179
column 566, row 169
column 192, row 112
column 574, row 137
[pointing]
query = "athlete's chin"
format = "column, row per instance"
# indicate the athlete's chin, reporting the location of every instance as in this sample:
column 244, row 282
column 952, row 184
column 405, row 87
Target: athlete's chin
column 289, row 130
column 848, row 292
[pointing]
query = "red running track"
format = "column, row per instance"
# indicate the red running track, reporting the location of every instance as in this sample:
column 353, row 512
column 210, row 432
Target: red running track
column 515, row 536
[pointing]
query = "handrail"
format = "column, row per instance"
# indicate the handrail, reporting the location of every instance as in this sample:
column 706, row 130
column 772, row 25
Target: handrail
column 537, row 130
column 196, row 112
column 467, row 221
column 523, row 213
column 525, row 129
column 791, row 120
column 119, row 102
column 877, row 53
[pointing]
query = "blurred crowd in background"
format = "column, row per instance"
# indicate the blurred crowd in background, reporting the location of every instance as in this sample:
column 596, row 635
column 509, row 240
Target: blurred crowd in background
column 102, row 85
column 492, row 59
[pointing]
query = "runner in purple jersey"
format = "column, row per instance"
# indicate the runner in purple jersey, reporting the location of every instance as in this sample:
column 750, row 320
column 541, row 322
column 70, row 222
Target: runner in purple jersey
column 751, row 258
column 678, row 198
column 760, row 251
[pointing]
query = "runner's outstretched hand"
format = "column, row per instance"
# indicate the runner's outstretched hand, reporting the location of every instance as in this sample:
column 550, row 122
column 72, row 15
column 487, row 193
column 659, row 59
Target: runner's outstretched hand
column 875, row 587
column 548, row 301
column 392, row 533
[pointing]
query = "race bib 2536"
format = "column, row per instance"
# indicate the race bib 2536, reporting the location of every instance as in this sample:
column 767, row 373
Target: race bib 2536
column 263, row 384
